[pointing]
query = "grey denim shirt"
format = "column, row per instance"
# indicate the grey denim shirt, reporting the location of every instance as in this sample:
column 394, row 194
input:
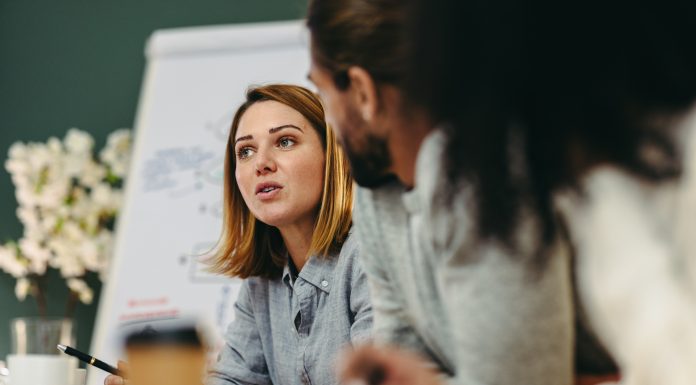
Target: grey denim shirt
column 287, row 332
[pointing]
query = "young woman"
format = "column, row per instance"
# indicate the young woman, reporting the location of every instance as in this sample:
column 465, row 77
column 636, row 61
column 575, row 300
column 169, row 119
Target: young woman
column 288, row 201
column 287, row 218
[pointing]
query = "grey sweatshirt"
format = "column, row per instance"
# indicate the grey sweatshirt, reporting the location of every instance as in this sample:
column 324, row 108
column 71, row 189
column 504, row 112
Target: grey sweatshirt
column 482, row 315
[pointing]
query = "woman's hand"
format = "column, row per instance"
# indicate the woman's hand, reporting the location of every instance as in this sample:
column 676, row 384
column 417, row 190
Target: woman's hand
column 116, row 380
column 373, row 365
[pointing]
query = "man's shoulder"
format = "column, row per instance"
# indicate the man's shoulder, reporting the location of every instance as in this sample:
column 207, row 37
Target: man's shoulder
column 383, row 195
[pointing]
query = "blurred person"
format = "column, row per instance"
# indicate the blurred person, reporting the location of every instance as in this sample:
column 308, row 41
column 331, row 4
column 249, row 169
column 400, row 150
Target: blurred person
column 286, row 231
column 481, row 312
column 582, row 116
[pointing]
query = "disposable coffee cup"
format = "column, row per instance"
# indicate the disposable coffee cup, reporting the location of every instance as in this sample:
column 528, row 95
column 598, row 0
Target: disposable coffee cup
column 165, row 356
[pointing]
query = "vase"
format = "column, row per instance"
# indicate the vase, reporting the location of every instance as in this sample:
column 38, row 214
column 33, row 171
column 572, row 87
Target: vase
column 40, row 335
column 34, row 358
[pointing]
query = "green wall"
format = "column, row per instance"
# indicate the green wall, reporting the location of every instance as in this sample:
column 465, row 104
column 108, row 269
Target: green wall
column 70, row 63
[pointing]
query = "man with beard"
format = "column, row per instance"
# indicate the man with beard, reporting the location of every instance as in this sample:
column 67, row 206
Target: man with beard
column 481, row 312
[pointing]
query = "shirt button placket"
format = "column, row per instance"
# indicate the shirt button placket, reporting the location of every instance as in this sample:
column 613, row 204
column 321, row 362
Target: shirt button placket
column 293, row 307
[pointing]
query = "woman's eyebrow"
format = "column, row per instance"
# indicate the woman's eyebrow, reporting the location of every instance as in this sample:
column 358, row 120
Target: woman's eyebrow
column 270, row 131
column 276, row 129
column 245, row 137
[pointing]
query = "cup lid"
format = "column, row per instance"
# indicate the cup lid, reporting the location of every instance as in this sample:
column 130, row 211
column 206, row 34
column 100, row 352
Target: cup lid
column 150, row 335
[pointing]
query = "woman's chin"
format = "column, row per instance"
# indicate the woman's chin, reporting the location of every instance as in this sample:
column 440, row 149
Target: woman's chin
column 285, row 218
column 275, row 220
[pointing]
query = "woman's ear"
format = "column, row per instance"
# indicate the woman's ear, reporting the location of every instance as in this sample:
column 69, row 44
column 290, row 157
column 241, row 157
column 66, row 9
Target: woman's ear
column 364, row 92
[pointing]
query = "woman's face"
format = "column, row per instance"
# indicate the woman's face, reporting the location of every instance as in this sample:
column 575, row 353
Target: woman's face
column 279, row 164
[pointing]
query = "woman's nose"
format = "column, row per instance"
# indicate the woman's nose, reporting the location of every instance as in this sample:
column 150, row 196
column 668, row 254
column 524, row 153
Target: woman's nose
column 264, row 163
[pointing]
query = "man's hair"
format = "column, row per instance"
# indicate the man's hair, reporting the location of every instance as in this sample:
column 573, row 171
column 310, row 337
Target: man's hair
column 364, row 33
column 593, row 81
column 249, row 247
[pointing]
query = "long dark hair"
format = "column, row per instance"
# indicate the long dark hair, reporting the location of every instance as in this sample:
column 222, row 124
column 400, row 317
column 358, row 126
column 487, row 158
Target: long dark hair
column 536, row 93
column 365, row 33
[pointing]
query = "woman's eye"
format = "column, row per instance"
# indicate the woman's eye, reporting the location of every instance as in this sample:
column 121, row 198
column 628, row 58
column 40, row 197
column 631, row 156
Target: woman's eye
column 244, row 153
column 285, row 142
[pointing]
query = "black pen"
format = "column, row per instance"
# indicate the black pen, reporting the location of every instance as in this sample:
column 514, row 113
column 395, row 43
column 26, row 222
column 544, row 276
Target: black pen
column 89, row 359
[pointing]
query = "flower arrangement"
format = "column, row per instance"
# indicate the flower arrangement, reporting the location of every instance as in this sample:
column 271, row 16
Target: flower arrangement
column 68, row 201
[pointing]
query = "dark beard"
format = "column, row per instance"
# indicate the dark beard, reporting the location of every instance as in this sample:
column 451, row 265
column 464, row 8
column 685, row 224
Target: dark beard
column 369, row 165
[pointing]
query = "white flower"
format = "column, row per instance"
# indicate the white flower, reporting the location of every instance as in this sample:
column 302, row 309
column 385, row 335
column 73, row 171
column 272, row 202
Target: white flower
column 78, row 142
column 17, row 166
column 73, row 164
column 54, row 192
column 83, row 291
column 105, row 240
column 17, row 150
column 39, row 156
column 72, row 231
column 78, row 154
column 76, row 284
column 51, row 196
column 62, row 211
column 117, row 152
column 92, row 174
column 22, row 288
column 26, row 197
column 33, row 225
column 114, row 204
column 11, row 263
column 91, row 220
column 89, row 254
column 54, row 145
column 28, row 216
column 65, row 257
column 79, row 208
column 48, row 224
column 101, row 194
column 79, row 194
column 71, row 267
column 86, row 296
column 34, row 233
column 60, row 247
column 38, row 175
column 65, row 199
column 107, row 199
column 37, row 255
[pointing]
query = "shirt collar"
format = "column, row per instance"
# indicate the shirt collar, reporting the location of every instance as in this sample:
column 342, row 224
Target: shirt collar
column 319, row 271
column 286, row 275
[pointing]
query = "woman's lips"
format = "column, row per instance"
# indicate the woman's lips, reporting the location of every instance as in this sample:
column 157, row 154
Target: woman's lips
column 266, row 191
column 268, row 195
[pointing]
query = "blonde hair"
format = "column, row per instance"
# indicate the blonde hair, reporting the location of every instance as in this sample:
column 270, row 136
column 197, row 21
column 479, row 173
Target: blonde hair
column 247, row 246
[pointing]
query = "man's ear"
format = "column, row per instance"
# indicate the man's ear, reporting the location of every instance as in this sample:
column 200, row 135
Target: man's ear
column 364, row 92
